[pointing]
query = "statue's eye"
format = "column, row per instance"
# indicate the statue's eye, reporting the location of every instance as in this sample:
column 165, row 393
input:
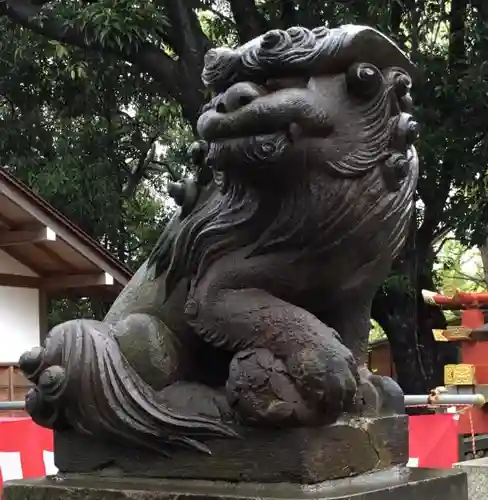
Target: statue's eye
column 364, row 80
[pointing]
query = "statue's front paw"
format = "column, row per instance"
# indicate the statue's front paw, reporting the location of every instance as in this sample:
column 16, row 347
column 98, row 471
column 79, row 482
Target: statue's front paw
column 41, row 400
column 262, row 392
column 328, row 377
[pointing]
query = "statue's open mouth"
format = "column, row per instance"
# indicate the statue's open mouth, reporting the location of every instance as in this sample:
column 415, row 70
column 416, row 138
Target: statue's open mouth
column 292, row 113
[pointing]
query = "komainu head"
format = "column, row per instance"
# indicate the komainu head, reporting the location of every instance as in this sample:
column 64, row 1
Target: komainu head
column 334, row 99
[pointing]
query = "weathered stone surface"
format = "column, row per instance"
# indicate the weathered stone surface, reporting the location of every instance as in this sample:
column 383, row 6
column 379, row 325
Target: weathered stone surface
column 477, row 472
column 304, row 455
column 397, row 484
column 255, row 303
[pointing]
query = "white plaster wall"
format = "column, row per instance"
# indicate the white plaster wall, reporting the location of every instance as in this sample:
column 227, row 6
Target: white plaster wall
column 9, row 265
column 19, row 313
column 19, row 322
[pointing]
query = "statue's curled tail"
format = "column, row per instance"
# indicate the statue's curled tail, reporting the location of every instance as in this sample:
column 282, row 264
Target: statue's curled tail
column 82, row 378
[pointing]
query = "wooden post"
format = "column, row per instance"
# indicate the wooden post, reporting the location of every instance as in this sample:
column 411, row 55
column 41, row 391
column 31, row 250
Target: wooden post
column 10, row 383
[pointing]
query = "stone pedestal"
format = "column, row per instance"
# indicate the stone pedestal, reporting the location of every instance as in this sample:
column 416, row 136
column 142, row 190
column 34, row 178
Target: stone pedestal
column 477, row 472
column 359, row 458
column 393, row 484
column 303, row 455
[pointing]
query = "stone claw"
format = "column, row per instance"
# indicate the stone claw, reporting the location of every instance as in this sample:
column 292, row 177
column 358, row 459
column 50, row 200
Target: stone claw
column 379, row 394
column 327, row 378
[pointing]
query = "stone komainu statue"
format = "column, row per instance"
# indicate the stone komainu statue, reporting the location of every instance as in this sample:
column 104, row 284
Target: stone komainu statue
column 254, row 308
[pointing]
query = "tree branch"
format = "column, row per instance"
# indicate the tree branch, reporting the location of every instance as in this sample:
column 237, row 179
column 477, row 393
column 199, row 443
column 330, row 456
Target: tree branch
column 443, row 230
column 249, row 21
column 185, row 32
column 441, row 245
column 226, row 20
column 457, row 20
column 288, row 15
column 191, row 44
column 209, row 6
column 140, row 169
column 166, row 166
column 463, row 276
column 439, row 24
column 10, row 104
column 147, row 57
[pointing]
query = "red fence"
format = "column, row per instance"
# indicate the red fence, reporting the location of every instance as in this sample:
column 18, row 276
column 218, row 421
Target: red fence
column 26, row 450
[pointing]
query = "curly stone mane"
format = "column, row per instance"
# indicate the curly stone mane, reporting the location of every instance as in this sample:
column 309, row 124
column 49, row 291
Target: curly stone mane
column 316, row 208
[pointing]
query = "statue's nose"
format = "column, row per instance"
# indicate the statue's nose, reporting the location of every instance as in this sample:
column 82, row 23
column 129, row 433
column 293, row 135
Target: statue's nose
column 239, row 95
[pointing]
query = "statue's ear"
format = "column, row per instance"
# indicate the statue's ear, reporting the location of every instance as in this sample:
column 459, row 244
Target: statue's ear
column 362, row 44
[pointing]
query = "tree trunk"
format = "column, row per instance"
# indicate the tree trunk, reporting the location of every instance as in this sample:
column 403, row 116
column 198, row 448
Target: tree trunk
column 457, row 42
column 408, row 321
column 397, row 315
column 395, row 308
column 484, row 259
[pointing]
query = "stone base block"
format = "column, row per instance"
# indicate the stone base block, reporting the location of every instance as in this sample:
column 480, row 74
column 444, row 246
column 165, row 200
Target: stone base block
column 477, row 472
column 394, row 484
column 303, row 455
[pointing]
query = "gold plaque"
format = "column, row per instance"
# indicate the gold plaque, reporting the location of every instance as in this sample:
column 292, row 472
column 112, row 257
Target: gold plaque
column 457, row 333
column 439, row 335
column 462, row 374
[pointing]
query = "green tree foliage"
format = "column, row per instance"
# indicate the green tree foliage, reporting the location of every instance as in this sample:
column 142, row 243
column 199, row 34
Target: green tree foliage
column 376, row 333
column 73, row 125
column 458, row 267
column 115, row 77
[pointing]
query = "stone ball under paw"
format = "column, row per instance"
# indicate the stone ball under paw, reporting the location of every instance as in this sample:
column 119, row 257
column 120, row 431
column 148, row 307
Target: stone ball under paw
column 260, row 390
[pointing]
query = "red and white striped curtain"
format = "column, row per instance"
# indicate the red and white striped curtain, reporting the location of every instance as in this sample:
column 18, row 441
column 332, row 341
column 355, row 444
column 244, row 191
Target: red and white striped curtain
column 26, row 450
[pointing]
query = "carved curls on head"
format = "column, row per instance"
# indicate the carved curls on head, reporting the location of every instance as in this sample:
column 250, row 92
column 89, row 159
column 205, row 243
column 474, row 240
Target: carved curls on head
column 299, row 51
column 404, row 129
column 364, row 80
